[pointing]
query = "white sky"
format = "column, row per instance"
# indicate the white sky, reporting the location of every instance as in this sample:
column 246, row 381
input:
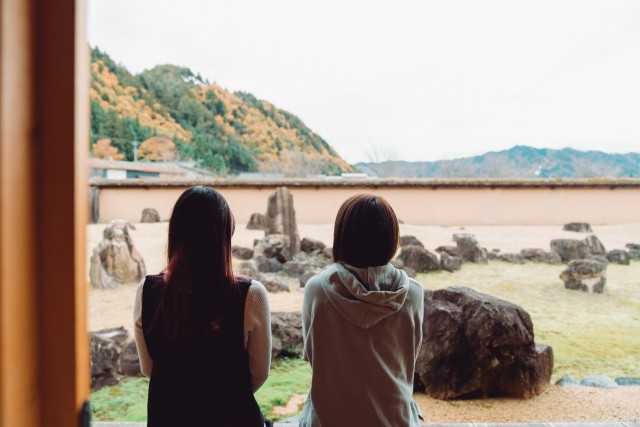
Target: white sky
column 411, row 80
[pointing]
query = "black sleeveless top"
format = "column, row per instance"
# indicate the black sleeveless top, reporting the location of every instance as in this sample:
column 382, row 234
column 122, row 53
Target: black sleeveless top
column 203, row 380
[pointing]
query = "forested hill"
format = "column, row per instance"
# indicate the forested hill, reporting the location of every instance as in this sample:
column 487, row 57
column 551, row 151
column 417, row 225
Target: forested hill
column 516, row 162
column 176, row 114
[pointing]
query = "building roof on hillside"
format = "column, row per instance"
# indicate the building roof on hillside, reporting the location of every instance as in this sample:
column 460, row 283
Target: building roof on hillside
column 165, row 169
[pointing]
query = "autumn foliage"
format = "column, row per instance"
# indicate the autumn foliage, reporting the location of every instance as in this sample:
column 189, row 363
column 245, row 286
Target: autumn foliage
column 180, row 115
column 158, row 149
column 103, row 149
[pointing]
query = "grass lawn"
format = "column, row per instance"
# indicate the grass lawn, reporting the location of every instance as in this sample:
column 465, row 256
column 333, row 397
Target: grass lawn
column 127, row 401
column 589, row 333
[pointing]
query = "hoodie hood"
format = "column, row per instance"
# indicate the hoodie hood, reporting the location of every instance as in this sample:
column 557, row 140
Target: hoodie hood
column 365, row 296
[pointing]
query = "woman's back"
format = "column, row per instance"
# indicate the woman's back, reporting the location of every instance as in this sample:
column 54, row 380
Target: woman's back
column 199, row 379
column 362, row 340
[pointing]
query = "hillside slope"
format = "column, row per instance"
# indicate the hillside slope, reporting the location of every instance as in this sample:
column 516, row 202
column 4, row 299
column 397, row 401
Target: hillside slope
column 516, row 162
column 223, row 131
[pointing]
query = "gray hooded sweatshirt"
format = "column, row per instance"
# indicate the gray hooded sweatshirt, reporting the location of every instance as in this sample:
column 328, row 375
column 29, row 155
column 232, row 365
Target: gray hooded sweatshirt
column 362, row 331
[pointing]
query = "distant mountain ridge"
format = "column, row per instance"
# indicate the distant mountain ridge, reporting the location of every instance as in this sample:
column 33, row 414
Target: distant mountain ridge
column 517, row 162
column 194, row 119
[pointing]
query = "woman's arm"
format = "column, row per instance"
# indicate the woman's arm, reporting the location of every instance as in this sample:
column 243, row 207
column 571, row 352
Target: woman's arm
column 146, row 364
column 257, row 333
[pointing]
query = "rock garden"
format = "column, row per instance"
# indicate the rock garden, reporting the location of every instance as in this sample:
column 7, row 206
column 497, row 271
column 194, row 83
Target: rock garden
column 500, row 321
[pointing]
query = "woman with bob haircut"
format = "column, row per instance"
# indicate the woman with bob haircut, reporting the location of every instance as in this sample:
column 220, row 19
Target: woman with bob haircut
column 203, row 335
column 362, row 325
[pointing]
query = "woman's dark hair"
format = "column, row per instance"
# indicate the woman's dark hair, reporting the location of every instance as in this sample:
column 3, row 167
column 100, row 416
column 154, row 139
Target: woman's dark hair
column 366, row 231
column 199, row 279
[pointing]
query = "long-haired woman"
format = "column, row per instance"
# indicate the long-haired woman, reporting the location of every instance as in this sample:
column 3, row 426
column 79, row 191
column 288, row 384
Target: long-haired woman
column 362, row 325
column 203, row 335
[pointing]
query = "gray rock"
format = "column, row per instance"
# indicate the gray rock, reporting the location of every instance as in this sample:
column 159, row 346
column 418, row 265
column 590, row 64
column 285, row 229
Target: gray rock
column 309, row 245
column 599, row 258
column 479, row 345
column 493, row 255
column 129, row 362
column 450, row 263
column 539, row 255
column 410, row 241
column 626, row 381
column 600, row 381
column 273, row 246
column 304, row 278
column 586, row 275
column 566, row 382
column 150, row 215
column 450, row 250
column 293, row 268
column 281, row 218
column 513, row 258
column 469, row 249
column 241, row 253
column 593, row 246
column 268, row 265
column 618, row 256
column 105, row 347
column 257, row 221
column 580, row 227
column 634, row 254
column 533, row 254
column 286, row 331
column 419, row 259
column 634, row 246
column 274, row 285
column 568, row 249
column 249, row 268
column 116, row 260
column 328, row 253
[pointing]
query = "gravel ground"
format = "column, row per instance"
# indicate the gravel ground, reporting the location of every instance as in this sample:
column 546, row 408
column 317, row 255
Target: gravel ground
column 114, row 307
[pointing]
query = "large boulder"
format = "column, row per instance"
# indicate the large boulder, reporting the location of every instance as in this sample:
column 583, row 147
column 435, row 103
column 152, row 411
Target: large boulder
column 450, row 263
column 568, row 249
column 268, row 265
column 150, row 215
column 281, row 218
column 293, row 268
column 286, row 331
column 257, row 221
column 593, row 246
column 580, row 227
column 105, row 347
column 469, row 249
column 274, row 246
column 479, row 345
column 116, row 260
column 241, row 252
column 129, row 361
column 419, row 259
column 410, row 240
column 618, row 256
column 309, row 245
column 451, row 250
column 586, row 275
column 539, row 255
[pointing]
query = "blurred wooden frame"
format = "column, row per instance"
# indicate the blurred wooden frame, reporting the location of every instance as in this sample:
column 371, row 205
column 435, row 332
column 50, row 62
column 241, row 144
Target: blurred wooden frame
column 44, row 128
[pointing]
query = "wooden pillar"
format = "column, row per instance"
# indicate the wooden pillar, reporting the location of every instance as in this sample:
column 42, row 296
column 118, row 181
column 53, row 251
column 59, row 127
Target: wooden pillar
column 44, row 362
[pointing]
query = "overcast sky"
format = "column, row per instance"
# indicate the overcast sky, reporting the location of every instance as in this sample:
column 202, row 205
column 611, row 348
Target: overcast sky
column 412, row 80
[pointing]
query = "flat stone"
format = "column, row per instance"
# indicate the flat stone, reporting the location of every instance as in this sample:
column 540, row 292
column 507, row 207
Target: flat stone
column 600, row 381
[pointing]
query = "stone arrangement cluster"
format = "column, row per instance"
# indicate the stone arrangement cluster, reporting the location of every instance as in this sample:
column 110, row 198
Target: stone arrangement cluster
column 478, row 345
column 281, row 256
